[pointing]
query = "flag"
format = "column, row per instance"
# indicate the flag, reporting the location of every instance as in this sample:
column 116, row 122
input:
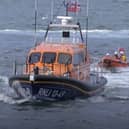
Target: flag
column 73, row 7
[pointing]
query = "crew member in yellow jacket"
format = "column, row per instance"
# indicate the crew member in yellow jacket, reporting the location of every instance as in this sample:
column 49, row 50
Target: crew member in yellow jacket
column 123, row 56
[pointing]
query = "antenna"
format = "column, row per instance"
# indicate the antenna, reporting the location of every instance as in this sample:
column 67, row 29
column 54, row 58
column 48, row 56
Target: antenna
column 52, row 9
column 36, row 12
column 87, row 20
column 66, row 4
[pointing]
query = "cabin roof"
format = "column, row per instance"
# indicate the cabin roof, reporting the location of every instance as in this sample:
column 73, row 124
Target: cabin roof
column 66, row 48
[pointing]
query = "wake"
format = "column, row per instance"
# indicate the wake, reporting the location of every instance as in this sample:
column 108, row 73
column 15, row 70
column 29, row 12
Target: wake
column 117, row 88
column 7, row 94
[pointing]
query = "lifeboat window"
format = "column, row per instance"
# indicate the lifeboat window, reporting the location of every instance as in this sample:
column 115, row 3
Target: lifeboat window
column 78, row 58
column 34, row 58
column 49, row 57
column 65, row 34
column 64, row 58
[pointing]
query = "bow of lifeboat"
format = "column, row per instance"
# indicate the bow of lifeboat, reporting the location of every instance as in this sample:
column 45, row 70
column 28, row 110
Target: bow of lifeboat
column 58, row 68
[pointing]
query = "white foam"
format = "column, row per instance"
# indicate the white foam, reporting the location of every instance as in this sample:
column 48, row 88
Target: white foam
column 119, row 79
column 10, row 100
column 91, row 33
column 4, row 79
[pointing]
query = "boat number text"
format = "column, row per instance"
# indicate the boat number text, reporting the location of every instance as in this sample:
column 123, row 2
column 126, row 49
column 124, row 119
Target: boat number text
column 51, row 92
column 27, row 92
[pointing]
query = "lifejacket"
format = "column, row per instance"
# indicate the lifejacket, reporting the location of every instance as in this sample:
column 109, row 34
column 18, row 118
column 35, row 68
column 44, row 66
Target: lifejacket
column 123, row 58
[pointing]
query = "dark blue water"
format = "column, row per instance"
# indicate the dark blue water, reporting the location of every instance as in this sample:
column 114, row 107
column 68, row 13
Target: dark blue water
column 108, row 30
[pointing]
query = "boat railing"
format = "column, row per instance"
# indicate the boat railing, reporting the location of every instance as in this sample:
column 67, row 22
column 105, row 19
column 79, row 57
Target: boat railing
column 63, row 37
column 18, row 67
column 99, row 71
column 63, row 40
column 94, row 69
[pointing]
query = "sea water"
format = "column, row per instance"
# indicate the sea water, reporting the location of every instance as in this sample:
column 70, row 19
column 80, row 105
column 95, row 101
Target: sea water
column 108, row 30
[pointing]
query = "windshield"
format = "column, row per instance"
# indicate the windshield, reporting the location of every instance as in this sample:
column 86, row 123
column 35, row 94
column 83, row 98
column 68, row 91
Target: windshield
column 34, row 57
column 64, row 58
column 78, row 58
column 49, row 57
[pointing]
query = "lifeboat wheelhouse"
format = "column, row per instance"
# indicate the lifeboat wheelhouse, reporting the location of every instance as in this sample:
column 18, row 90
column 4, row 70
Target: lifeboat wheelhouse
column 62, row 55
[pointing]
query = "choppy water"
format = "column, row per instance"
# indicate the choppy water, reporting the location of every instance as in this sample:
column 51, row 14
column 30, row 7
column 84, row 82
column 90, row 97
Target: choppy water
column 108, row 30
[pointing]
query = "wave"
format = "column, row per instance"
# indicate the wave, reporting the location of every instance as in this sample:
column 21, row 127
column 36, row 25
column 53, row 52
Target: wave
column 7, row 94
column 10, row 100
column 17, row 32
column 3, row 79
column 95, row 33
column 116, row 89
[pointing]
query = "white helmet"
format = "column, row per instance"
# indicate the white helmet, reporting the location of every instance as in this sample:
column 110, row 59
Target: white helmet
column 115, row 53
column 121, row 52
column 107, row 54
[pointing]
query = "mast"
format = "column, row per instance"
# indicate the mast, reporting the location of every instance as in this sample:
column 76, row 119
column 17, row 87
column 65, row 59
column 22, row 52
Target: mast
column 35, row 25
column 66, row 4
column 52, row 15
column 52, row 10
column 87, row 20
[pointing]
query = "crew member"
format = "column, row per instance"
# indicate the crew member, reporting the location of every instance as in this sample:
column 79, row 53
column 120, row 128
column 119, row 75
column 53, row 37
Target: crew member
column 122, row 56
column 116, row 55
column 107, row 54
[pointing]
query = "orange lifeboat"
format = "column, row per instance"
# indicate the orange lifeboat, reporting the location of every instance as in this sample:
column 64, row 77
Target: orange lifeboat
column 59, row 67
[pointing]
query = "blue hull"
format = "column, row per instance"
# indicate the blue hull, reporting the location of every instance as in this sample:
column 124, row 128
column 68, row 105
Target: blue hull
column 54, row 88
